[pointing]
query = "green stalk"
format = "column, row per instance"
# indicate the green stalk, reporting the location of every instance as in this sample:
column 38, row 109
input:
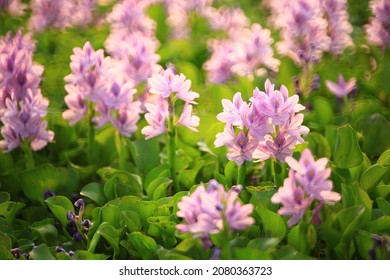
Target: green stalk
column 30, row 163
column 91, row 150
column 241, row 175
column 272, row 166
column 121, row 150
column 226, row 250
column 172, row 158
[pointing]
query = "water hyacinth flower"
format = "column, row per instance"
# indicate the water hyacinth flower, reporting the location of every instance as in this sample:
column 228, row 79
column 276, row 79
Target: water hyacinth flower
column 377, row 31
column 169, row 87
column 307, row 181
column 98, row 83
column 341, row 88
column 210, row 208
column 14, row 7
column 22, row 106
column 268, row 126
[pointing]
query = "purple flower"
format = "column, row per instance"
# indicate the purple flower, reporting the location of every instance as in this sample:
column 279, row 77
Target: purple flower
column 77, row 108
column 156, row 117
column 341, row 88
column 126, row 121
column 187, row 119
column 231, row 20
column 14, row 7
column 252, row 52
column 377, row 31
column 293, row 199
column 232, row 111
column 207, row 210
column 167, row 82
column 313, row 177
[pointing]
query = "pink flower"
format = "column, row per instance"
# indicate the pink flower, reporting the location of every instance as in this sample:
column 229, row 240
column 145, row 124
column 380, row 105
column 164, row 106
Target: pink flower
column 293, row 199
column 205, row 211
column 126, row 120
column 76, row 106
column 377, row 31
column 232, row 110
column 156, row 117
column 341, row 88
column 187, row 119
column 167, row 82
column 313, row 177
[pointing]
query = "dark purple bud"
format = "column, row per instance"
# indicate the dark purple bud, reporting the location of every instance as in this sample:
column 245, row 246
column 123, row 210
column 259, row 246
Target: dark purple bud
column 71, row 227
column 212, row 185
column 16, row 252
column 77, row 236
column 79, row 203
column 59, row 249
column 236, row 188
column 76, row 196
column 70, row 216
column 206, row 242
column 315, row 83
column 86, row 223
column 219, row 207
column 26, row 255
column 48, row 193
column 86, row 230
column 70, row 253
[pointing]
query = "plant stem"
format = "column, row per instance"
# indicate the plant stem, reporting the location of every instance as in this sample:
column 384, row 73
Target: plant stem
column 91, row 151
column 121, row 150
column 30, row 163
column 272, row 166
column 241, row 175
column 226, row 251
column 172, row 158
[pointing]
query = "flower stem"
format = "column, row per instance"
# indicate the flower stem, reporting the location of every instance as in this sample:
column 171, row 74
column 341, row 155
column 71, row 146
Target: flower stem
column 226, row 250
column 172, row 158
column 272, row 166
column 91, row 151
column 30, row 163
column 241, row 175
column 121, row 150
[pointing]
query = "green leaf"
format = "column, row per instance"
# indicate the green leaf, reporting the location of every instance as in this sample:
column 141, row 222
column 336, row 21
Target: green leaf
column 46, row 230
column 383, row 205
column 109, row 233
column 323, row 111
column 379, row 226
column 131, row 220
column 159, row 181
column 41, row 252
column 347, row 150
column 263, row 244
column 6, row 163
column 85, row 255
column 159, row 171
column 146, row 161
column 289, row 253
column 122, row 183
column 373, row 176
column 5, row 241
column 250, row 254
column 111, row 215
column 60, row 206
column 126, row 203
column 95, row 192
column 143, row 246
column 384, row 159
column 318, row 144
column 5, row 253
column 4, row 196
column 164, row 254
column 349, row 220
column 9, row 209
column 273, row 224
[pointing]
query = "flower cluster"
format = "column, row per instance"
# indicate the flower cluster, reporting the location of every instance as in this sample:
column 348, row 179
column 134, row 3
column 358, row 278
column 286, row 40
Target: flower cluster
column 311, row 27
column 378, row 31
column 77, row 227
column 60, row 13
column 307, row 181
column 161, row 116
column 22, row 105
column 245, row 52
column 14, row 7
column 268, row 126
column 97, row 85
column 132, row 41
column 212, row 209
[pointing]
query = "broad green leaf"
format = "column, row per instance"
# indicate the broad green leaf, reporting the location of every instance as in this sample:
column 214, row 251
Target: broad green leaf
column 383, row 205
column 379, row 226
column 318, row 144
column 111, row 215
column 159, row 181
column 347, row 150
column 85, row 255
column 164, row 254
column 4, row 196
column 373, row 176
column 297, row 238
column 5, row 253
column 46, row 230
column 126, row 203
column 159, row 171
column 144, row 246
column 146, row 161
column 384, row 159
column 9, row 209
column 289, row 253
column 349, row 221
column 273, row 224
column 5, row 241
column 60, row 206
column 41, row 252
column 250, row 254
column 95, row 192
column 263, row 244
column 131, row 220
column 109, row 233
column 323, row 111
